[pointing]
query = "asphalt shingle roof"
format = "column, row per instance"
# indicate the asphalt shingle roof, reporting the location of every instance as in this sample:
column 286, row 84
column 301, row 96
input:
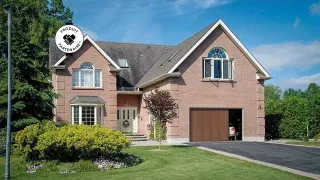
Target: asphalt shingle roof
column 171, row 57
column 146, row 61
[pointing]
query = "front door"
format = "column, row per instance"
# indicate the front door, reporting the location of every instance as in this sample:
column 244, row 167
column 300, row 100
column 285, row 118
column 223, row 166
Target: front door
column 127, row 120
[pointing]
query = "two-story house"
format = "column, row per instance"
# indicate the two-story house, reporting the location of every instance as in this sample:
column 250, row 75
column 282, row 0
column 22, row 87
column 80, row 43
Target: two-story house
column 215, row 80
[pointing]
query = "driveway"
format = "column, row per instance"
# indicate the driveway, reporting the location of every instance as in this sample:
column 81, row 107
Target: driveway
column 305, row 159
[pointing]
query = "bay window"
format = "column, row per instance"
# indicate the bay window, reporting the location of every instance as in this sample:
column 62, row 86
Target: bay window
column 87, row 76
column 217, row 65
column 88, row 115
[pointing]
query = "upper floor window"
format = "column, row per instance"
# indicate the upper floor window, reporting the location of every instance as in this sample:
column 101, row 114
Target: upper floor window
column 218, row 65
column 87, row 76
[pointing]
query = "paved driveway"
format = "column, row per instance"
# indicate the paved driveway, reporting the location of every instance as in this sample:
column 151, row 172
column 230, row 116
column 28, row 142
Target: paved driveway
column 305, row 159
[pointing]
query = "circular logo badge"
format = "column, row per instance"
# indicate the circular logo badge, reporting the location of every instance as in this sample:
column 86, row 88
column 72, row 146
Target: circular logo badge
column 69, row 38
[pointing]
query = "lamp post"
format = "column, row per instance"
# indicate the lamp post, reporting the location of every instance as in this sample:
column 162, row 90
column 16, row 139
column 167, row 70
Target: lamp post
column 8, row 9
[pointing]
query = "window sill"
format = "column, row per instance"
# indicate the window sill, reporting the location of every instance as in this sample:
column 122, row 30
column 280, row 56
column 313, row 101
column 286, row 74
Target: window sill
column 219, row 80
column 86, row 88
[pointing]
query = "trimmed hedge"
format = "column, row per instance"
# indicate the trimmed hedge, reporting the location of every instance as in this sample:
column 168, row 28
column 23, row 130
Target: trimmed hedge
column 76, row 142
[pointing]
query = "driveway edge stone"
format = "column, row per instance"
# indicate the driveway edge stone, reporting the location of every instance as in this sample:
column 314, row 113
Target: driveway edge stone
column 294, row 171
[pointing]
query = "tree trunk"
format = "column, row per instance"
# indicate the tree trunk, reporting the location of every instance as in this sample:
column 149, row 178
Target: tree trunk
column 160, row 134
column 154, row 130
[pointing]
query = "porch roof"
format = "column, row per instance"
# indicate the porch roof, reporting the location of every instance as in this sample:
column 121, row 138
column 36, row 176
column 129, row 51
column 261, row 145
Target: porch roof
column 87, row 100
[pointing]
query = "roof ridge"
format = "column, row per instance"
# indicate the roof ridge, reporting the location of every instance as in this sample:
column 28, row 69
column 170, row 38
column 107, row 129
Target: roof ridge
column 135, row 43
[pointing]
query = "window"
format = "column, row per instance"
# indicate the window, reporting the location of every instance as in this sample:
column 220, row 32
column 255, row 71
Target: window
column 123, row 63
column 88, row 115
column 86, row 76
column 217, row 65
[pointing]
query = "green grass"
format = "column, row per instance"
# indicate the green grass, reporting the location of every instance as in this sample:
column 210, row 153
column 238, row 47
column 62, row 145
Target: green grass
column 305, row 143
column 177, row 162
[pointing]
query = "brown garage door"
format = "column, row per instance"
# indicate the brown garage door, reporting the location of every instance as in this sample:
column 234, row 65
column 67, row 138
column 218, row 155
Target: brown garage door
column 209, row 125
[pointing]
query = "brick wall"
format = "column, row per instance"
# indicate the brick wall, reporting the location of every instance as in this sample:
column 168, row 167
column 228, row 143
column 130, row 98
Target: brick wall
column 63, row 85
column 190, row 90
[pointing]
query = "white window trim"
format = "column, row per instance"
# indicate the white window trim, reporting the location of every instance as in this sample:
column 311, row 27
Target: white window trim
column 231, row 70
column 80, row 112
column 94, row 77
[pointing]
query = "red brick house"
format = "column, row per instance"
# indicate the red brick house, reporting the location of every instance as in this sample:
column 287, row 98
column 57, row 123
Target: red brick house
column 215, row 80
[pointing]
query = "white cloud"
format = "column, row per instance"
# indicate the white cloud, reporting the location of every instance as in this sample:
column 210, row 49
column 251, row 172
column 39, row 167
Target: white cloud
column 296, row 22
column 91, row 33
column 299, row 82
column 315, row 8
column 211, row 3
column 288, row 54
column 182, row 6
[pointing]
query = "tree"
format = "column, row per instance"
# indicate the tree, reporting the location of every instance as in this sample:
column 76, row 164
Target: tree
column 272, row 92
column 274, row 109
column 34, row 21
column 162, row 106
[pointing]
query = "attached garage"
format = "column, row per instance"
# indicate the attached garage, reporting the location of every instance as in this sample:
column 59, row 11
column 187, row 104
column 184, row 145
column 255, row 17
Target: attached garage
column 209, row 124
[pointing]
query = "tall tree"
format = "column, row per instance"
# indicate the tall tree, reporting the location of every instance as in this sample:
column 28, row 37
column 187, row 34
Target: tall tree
column 274, row 109
column 34, row 21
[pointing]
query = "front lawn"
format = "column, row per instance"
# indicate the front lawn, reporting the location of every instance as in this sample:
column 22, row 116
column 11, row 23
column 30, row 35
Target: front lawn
column 177, row 162
column 305, row 143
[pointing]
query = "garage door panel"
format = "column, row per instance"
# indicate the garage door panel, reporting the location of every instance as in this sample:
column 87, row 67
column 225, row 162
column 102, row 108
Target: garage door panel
column 207, row 128
column 209, row 125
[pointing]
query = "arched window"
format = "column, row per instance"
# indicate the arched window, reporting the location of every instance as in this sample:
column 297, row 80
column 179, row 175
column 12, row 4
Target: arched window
column 217, row 53
column 87, row 76
column 218, row 65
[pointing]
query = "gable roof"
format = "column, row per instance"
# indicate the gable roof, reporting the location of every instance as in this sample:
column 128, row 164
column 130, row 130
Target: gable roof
column 140, row 58
column 150, row 63
column 168, row 65
column 105, row 55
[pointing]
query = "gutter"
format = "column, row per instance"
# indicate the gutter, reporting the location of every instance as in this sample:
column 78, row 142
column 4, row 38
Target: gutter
column 160, row 78
column 58, row 67
column 262, row 77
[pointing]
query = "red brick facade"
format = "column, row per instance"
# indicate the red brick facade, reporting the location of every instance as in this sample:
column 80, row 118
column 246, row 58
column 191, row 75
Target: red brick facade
column 189, row 90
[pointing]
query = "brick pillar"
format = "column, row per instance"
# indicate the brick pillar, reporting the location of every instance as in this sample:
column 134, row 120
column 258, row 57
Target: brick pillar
column 260, row 108
column 111, row 106
column 61, row 114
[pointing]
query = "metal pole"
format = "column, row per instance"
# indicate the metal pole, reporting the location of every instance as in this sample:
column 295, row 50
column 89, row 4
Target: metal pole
column 7, row 173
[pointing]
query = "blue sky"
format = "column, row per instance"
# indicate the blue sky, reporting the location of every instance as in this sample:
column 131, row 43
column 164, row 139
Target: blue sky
column 284, row 35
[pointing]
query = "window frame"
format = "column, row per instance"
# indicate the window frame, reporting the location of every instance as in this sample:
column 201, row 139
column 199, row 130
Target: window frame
column 96, row 106
column 230, row 68
column 79, row 71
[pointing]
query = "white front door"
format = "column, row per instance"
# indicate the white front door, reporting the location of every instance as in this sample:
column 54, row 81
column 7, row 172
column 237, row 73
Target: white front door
column 127, row 119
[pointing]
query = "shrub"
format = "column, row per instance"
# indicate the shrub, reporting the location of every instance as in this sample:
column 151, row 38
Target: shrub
column 70, row 143
column 61, row 124
column 317, row 137
column 26, row 140
column 3, row 140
